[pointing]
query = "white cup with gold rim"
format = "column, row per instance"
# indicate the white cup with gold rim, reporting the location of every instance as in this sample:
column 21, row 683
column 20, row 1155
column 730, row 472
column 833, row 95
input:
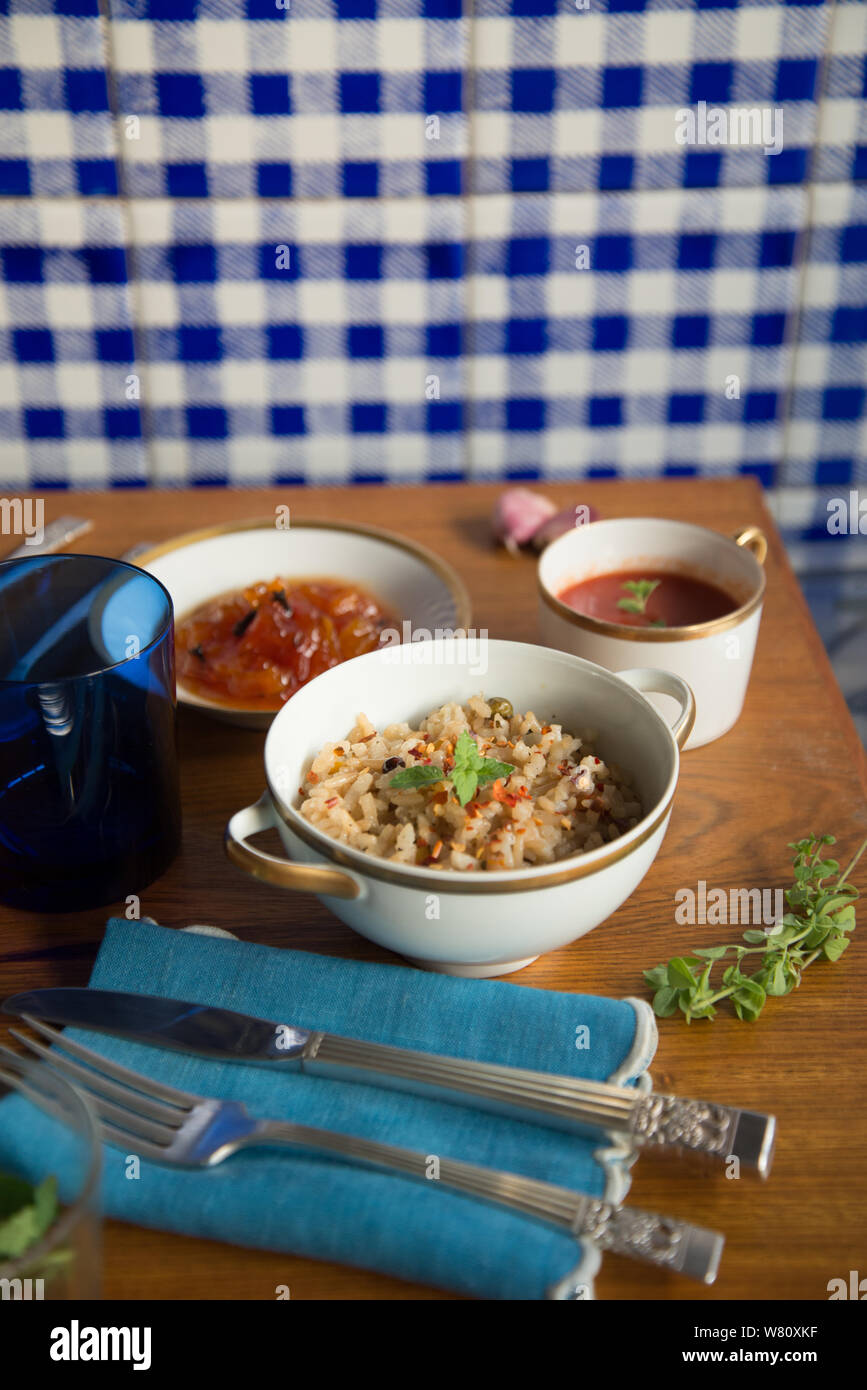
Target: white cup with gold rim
column 714, row 658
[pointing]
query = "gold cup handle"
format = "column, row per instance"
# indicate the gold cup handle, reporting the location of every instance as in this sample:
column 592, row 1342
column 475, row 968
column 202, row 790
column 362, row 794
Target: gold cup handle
column 754, row 538
column 271, row 868
column 648, row 681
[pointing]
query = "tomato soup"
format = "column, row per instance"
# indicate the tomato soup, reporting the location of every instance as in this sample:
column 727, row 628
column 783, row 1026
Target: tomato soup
column 254, row 647
column 648, row 598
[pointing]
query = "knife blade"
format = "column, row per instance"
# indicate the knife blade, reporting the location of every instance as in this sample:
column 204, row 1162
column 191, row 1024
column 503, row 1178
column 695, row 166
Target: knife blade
column 173, row 1023
column 561, row 1102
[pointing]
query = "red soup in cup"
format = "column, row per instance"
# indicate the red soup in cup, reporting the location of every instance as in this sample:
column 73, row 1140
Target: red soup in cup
column 648, row 598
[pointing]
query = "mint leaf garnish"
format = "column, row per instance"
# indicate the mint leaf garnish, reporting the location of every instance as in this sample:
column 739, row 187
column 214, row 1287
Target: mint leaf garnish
column 469, row 771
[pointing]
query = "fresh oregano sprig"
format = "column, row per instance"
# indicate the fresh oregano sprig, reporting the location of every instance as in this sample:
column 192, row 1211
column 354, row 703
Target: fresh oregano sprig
column 639, row 591
column 469, row 771
column 823, row 915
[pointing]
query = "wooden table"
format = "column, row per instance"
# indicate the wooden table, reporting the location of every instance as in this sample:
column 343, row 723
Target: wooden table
column 792, row 765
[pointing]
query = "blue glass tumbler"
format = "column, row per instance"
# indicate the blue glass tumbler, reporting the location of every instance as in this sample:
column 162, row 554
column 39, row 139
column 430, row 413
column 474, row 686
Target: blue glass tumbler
column 89, row 794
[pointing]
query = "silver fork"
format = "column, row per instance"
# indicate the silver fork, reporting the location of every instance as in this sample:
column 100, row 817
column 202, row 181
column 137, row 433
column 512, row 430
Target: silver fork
column 176, row 1128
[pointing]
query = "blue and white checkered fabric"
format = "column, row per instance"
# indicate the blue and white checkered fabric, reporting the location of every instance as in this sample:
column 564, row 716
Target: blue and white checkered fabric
column 68, row 408
column 299, row 341
column 432, row 167
column 841, row 151
column 825, row 532
column 827, row 433
column 631, row 333
column 56, row 132
column 838, row 602
column 308, row 98
column 582, row 94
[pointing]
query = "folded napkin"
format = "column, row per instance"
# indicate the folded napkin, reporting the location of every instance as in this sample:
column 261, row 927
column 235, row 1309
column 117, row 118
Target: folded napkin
column 317, row 1206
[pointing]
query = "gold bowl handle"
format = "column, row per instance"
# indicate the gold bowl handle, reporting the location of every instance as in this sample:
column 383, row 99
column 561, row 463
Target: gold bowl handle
column 754, row 538
column 271, row 868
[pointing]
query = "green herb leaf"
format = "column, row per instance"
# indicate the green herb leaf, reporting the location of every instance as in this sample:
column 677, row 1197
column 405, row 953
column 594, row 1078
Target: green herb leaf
column 25, row 1213
column 641, row 588
column 819, row 929
column 45, row 1203
column 640, row 591
column 833, row 949
column 490, row 770
column 465, row 784
column 15, row 1193
column 778, row 980
column 680, row 975
column 471, row 768
column 665, row 1002
column 420, row 776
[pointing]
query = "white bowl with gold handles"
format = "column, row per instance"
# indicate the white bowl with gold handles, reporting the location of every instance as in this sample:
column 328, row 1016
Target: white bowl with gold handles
column 714, row 658
column 482, row 923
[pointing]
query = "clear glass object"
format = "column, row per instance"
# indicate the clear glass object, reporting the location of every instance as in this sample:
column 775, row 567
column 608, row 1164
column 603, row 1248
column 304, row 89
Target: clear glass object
column 66, row 1262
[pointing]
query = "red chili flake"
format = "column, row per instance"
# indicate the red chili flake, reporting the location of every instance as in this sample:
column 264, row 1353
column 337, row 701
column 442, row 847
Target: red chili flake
column 332, row 801
column 312, row 777
column 500, row 794
column 426, row 762
column 300, row 791
column 596, row 761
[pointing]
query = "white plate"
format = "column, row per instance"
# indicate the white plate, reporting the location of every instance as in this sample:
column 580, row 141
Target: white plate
column 422, row 589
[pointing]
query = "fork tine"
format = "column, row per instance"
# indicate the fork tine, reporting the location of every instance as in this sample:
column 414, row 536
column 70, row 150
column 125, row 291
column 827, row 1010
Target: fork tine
column 135, row 1112
column 167, row 1116
column 128, row 1142
column 18, row 1083
column 108, row 1133
column 157, row 1090
column 134, row 1126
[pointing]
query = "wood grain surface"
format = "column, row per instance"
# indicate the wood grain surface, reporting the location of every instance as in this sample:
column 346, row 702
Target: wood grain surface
column 792, row 765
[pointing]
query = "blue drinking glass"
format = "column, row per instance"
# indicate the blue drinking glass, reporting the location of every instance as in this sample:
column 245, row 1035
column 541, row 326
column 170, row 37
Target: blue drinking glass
column 89, row 793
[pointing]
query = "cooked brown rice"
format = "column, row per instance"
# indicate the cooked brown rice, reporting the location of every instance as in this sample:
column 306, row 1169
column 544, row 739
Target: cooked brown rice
column 561, row 799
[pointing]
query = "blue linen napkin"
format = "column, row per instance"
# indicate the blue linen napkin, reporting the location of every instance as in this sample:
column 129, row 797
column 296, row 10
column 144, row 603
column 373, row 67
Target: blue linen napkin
column 319, row 1207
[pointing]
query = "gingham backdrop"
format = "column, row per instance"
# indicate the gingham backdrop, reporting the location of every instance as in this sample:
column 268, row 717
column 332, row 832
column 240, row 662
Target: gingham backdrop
column 253, row 240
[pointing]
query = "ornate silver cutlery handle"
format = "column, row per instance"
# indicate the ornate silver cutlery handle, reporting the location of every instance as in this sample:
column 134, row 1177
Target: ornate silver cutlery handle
column 718, row 1131
column 663, row 1241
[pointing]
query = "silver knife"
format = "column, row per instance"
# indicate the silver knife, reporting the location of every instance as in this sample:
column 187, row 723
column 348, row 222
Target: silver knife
column 55, row 536
column 561, row 1102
